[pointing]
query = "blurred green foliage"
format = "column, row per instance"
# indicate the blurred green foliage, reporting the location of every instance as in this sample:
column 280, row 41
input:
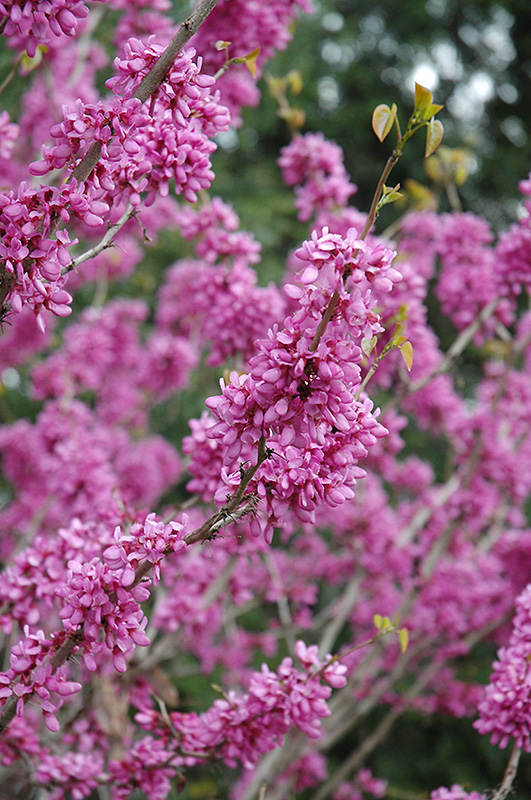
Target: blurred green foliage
column 474, row 55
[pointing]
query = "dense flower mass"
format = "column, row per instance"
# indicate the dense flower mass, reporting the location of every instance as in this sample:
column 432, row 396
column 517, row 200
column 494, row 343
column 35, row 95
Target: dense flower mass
column 31, row 24
column 245, row 27
column 315, row 167
column 143, row 150
column 359, row 486
column 243, row 726
column 505, row 712
column 301, row 395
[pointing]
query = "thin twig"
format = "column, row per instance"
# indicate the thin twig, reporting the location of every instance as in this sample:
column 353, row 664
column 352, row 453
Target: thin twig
column 455, row 350
column 104, row 243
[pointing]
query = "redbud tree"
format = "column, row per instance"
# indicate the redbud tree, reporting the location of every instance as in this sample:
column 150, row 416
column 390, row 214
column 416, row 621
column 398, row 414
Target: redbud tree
column 248, row 607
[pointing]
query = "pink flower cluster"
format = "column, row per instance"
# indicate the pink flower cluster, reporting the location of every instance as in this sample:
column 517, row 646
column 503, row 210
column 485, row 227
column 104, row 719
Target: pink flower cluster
column 315, row 167
column 79, row 774
column 151, row 541
column 99, row 607
column 363, row 782
column 467, row 281
column 242, row 727
column 214, row 300
column 246, row 26
column 34, row 245
column 100, row 601
column 141, row 153
column 456, row 792
column 29, row 24
column 505, row 712
column 8, row 135
column 141, row 150
column 301, row 393
column 70, row 464
column 103, row 353
column 31, row 677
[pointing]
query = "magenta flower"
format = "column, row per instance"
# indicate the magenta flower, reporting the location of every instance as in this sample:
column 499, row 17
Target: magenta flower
column 505, row 712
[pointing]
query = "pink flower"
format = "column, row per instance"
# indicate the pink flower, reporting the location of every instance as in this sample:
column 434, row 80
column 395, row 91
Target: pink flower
column 505, row 712
column 315, row 166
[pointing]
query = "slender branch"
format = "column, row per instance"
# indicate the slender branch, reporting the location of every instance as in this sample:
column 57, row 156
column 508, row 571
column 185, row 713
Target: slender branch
column 105, row 241
column 8, row 712
column 7, row 80
column 190, row 26
column 424, row 514
column 373, row 213
column 223, row 515
column 151, row 82
column 347, row 603
column 509, row 776
column 358, row 756
column 455, row 350
column 325, row 319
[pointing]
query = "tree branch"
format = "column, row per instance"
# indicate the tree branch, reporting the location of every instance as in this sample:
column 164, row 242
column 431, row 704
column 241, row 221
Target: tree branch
column 510, row 775
column 105, row 241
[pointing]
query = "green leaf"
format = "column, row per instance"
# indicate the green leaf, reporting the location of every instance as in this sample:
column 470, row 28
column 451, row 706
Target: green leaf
column 406, row 351
column 221, row 45
column 423, row 98
column 367, row 345
column 383, row 118
column 378, row 621
column 294, row 79
column 403, row 635
column 433, row 137
column 432, row 110
column 390, row 198
column 250, row 61
column 28, row 64
column 398, row 331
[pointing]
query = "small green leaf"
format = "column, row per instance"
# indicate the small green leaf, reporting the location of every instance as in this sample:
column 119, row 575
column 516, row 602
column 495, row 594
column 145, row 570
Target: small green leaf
column 390, row 198
column 433, row 137
column 294, row 79
column 406, row 350
column 221, row 45
column 28, row 64
column 378, row 621
column 367, row 345
column 250, row 61
column 432, row 110
column 403, row 635
column 398, row 331
column 423, row 97
column 383, row 118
